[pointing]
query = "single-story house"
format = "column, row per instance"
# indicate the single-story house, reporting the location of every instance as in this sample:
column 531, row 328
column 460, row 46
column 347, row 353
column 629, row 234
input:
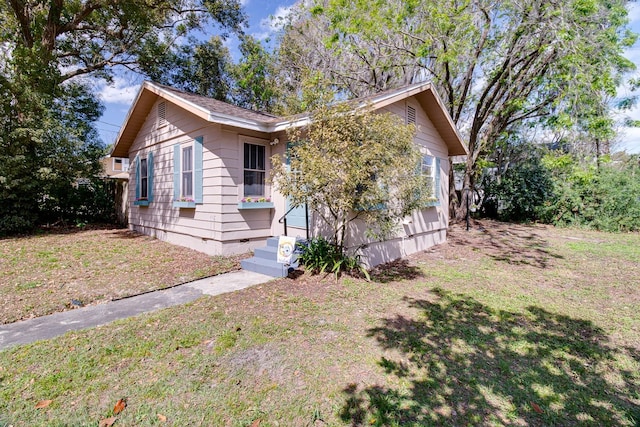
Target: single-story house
column 199, row 171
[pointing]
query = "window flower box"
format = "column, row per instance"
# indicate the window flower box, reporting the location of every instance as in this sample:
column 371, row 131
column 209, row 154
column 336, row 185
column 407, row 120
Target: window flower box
column 184, row 202
column 255, row 203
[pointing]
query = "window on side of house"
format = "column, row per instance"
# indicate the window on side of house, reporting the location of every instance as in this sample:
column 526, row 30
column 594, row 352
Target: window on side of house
column 187, row 172
column 144, row 180
column 254, row 169
column 430, row 170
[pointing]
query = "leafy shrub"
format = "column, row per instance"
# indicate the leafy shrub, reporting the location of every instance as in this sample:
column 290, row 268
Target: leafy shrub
column 605, row 199
column 319, row 255
column 90, row 202
column 519, row 193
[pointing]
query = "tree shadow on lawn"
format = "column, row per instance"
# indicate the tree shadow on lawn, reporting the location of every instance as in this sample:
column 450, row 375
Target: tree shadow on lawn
column 507, row 242
column 394, row 271
column 462, row 363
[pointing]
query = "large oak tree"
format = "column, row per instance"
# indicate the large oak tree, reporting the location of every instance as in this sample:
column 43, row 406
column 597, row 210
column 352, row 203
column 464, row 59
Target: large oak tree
column 47, row 136
column 498, row 64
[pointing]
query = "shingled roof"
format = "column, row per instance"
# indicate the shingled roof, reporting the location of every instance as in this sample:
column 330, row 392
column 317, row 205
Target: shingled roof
column 220, row 112
column 211, row 104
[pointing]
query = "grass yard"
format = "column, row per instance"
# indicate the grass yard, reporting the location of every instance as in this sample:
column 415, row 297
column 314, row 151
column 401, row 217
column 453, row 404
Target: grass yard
column 504, row 325
column 43, row 273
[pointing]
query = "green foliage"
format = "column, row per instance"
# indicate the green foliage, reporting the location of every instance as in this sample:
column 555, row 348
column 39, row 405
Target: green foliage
column 47, row 136
column 47, row 142
column 497, row 64
column 319, row 255
column 605, row 198
column 519, row 193
column 254, row 81
column 91, row 201
column 196, row 67
column 353, row 165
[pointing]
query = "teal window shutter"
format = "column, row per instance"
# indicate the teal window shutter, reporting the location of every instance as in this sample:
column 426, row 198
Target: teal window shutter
column 137, row 160
column 150, row 177
column 176, row 172
column 197, row 169
column 437, row 191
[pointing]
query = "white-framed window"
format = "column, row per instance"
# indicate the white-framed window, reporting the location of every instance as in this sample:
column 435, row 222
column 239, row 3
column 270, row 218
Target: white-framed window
column 255, row 169
column 188, row 173
column 120, row 164
column 144, row 179
column 430, row 170
column 186, row 183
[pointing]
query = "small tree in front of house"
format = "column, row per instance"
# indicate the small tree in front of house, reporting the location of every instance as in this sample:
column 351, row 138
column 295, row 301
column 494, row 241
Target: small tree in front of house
column 351, row 165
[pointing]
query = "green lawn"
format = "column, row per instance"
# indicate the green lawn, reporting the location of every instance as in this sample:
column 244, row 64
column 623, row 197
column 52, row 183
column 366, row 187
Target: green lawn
column 508, row 325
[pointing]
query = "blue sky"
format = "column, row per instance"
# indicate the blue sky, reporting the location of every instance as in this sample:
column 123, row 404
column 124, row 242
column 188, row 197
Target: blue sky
column 119, row 96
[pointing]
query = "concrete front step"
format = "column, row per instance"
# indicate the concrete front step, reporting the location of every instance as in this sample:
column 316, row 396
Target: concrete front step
column 266, row 267
column 265, row 261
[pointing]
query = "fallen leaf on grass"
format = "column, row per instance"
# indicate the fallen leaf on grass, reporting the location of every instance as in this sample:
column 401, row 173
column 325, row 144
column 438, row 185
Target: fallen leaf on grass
column 43, row 404
column 162, row 418
column 537, row 408
column 107, row 422
column 256, row 423
column 120, row 405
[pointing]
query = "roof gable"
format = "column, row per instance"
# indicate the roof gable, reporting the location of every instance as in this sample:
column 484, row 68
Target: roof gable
column 220, row 112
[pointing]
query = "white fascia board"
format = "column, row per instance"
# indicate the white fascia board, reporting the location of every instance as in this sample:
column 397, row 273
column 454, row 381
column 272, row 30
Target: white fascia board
column 225, row 119
column 303, row 121
column 390, row 98
column 126, row 119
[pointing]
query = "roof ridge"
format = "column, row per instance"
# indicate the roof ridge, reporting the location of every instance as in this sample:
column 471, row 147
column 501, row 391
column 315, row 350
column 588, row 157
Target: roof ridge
column 210, row 99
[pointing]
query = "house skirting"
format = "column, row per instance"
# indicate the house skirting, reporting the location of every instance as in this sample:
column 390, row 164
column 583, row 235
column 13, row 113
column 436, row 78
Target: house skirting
column 389, row 250
column 202, row 244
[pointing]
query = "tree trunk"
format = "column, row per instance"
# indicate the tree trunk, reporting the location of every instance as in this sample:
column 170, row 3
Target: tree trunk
column 467, row 190
column 454, row 202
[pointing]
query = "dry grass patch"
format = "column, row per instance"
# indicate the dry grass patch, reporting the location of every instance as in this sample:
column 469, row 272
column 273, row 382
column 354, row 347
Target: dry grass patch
column 44, row 273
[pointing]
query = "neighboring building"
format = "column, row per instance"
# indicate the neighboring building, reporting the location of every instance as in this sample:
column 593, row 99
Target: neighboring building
column 196, row 162
column 117, row 170
column 115, row 167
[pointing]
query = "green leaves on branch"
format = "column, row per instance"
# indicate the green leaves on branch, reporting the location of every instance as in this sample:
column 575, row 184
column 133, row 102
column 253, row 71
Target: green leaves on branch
column 353, row 166
column 318, row 256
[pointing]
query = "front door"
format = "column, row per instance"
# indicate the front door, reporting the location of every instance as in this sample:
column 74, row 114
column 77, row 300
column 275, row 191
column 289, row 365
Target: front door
column 297, row 217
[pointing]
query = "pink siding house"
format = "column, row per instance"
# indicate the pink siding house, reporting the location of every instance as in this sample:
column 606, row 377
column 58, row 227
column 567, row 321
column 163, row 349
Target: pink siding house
column 199, row 169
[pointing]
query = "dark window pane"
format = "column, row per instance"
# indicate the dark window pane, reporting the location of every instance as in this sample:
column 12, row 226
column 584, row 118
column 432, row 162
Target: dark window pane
column 260, row 157
column 143, row 188
column 187, row 184
column 143, row 168
column 253, row 183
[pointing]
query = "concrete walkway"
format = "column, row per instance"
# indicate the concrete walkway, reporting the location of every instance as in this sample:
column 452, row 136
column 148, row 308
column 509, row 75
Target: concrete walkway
column 46, row 327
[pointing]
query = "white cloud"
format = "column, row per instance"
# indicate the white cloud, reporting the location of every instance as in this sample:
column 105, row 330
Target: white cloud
column 629, row 137
column 273, row 23
column 121, row 91
column 630, row 141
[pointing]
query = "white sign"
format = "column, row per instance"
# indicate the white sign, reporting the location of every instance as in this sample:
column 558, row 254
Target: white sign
column 286, row 246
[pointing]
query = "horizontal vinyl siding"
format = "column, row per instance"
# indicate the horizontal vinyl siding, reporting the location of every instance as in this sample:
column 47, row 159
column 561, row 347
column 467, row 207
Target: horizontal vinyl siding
column 218, row 218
